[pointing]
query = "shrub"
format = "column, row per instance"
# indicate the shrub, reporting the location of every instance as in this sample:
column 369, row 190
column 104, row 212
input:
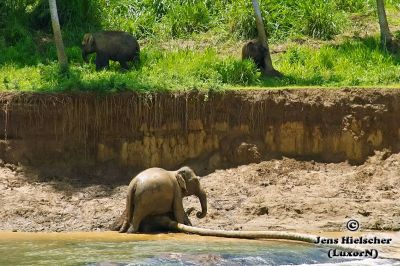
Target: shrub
column 320, row 19
column 186, row 19
column 237, row 72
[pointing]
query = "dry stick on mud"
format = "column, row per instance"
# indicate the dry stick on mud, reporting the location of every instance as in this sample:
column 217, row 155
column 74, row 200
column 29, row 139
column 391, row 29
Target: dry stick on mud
column 165, row 222
column 243, row 234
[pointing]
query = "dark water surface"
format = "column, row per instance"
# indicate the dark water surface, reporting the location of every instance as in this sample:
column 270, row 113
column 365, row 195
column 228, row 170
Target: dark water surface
column 167, row 252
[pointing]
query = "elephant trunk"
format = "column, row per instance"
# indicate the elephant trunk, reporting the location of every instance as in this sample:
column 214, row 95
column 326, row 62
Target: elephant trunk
column 203, row 202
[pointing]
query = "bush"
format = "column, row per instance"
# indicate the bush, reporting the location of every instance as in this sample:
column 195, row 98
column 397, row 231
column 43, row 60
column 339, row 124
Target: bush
column 238, row 72
column 186, row 19
column 320, row 20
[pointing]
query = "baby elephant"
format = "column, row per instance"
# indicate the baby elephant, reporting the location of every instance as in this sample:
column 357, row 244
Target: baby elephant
column 156, row 191
column 256, row 51
column 110, row 45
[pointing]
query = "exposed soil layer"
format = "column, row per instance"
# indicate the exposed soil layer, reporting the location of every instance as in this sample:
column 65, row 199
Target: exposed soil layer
column 115, row 135
column 284, row 194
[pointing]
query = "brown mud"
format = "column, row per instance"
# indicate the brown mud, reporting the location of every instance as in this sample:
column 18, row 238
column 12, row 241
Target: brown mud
column 273, row 195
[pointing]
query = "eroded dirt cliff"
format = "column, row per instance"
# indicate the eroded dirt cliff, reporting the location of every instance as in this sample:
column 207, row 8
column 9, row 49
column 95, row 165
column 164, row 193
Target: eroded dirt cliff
column 116, row 135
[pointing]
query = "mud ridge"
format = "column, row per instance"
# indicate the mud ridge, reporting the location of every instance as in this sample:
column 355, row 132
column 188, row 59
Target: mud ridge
column 116, row 134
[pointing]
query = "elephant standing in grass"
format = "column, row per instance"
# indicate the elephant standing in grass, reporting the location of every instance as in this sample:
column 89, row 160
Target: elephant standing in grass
column 110, row 45
column 156, row 191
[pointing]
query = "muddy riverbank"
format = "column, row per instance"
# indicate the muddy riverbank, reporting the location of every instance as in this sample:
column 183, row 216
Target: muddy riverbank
column 284, row 194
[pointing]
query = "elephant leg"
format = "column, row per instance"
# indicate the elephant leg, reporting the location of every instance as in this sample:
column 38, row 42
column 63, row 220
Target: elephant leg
column 101, row 62
column 179, row 212
column 124, row 65
column 124, row 227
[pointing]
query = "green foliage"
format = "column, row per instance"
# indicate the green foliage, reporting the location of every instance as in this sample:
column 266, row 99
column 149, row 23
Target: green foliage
column 242, row 22
column 71, row 13
column 27, row 57
column 319, row 20
column 353, row 63
column 158, row 70
column 322, row 19
column 238, row 72
column 186, row 19
column 355, row 5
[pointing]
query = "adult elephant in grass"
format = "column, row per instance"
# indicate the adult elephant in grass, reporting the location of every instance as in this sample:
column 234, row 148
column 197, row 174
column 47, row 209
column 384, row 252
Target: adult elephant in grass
column 157, row 191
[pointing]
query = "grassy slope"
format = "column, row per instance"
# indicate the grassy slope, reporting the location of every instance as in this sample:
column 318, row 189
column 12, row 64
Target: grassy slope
column 210, row 59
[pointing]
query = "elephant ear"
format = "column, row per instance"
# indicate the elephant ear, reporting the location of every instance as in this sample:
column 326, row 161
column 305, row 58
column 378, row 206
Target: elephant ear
column 88, row 40
column 181, row 183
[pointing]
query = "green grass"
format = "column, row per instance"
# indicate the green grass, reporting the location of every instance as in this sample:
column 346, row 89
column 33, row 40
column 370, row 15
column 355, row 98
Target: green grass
column 353, row 63
column 158, row 70
column 28, row 56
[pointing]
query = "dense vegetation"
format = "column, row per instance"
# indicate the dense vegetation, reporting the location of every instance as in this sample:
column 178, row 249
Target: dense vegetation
column 197, row 43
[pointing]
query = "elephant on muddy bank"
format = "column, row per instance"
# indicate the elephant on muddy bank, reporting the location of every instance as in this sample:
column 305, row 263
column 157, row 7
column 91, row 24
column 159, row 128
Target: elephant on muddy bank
column 156, row 191
column 110, row 45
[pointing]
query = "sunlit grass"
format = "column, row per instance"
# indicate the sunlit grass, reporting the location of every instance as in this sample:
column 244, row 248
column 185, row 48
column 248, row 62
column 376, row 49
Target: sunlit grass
column 28, row 56
column 352, row 63
column 158, row 70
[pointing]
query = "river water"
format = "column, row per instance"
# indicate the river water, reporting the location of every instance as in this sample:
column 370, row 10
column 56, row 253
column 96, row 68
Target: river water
column 164, row 249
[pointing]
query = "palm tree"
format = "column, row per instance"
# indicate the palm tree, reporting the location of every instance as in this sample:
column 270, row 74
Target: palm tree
column 386, row 36
column 62, row 57
column 262, row 36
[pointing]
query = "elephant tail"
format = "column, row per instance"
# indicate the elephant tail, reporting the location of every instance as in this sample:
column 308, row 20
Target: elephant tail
column 128, row 213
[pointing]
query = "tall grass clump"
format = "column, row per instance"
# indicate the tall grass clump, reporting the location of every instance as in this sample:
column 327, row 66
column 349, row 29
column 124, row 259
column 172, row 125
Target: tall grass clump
column 322, row 19
column 356, row 5
column 186, row 19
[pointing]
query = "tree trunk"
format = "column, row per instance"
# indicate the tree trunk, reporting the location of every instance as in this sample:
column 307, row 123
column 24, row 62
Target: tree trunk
column 386, row 36
column 62, row 57
column 262, row 36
